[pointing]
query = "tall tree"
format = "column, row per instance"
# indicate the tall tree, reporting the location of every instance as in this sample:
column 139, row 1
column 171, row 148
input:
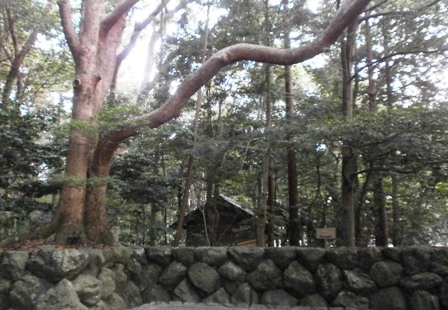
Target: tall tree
column 94, row 48
column 293, row 194
column 349, row 162
column 190, row 167
column 81, row 213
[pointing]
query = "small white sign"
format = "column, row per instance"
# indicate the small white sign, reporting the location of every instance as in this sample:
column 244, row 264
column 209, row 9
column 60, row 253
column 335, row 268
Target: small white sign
column 326, row 233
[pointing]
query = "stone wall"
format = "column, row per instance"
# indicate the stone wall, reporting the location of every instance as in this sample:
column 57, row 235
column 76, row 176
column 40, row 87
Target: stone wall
column 122, row 278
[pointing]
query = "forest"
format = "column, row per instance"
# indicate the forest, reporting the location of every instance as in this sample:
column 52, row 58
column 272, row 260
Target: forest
column 119, row 118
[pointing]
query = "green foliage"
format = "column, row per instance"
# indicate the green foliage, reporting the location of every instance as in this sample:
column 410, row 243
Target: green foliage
column 405, row 139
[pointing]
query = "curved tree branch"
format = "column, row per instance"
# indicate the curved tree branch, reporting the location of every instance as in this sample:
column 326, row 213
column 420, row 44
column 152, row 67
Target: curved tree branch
column 12, row 30
column 16, row 63
column 397, row 13
column 402, row 53
column 121, row 9
column 138, row 28
column 67, row 25
column 19, row 54
column 347, row 13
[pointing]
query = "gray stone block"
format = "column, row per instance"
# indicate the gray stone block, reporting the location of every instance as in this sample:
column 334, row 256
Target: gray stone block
column 283, row 256
column 88, row 289
column 388, row 298
column 13, row 265
column 329, row 281
column 244, row 296
column 172, row 275
column 422, row 300
column 212, row 256
column 421, row 281
column 359, row 282
column 299, row 280
column 186, row 292
column 204, row 277
column 386, row 273
column 265, row 276
column 61, row 296
column 346, row 299
column 310, row 258
column 247, row 258
column 344, row 258
column 278, row 298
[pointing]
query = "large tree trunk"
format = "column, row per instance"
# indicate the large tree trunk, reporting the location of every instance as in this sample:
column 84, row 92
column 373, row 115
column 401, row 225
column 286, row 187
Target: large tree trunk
column 95, row 215
column 93, row 50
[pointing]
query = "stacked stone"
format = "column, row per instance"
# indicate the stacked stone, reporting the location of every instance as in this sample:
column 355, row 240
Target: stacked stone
column 413, row 278
column 67, row 279
column 122, row 278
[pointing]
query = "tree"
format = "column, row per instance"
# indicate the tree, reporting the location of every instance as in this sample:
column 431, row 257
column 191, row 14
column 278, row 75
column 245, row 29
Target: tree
column 81, row 213
column 29, row 72
column 294, row 224
column 191, row 159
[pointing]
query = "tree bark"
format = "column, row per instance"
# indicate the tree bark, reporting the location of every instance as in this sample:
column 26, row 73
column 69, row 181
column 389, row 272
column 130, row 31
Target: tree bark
column 271, row 211
column 81, row 213
column 95, row 215
column 293, row 194
column 379, row 202
column 396, row 227
column 349, row 157
column 263, row 206
column 347, row 218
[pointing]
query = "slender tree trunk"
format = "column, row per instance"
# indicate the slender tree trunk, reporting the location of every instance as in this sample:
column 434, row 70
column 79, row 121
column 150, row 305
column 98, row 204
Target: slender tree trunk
column 191, row 159
column 156, row 208
column 264, row 232
column 349, row 157
column 262, row 210
column 138, row 28
column 263, row 205
column 149, row 64
column 379, row 200
column 293, row 194
column 184, row 202
column 396, row 222
column 271, row 210
column 396, row 227
column 150, row 60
